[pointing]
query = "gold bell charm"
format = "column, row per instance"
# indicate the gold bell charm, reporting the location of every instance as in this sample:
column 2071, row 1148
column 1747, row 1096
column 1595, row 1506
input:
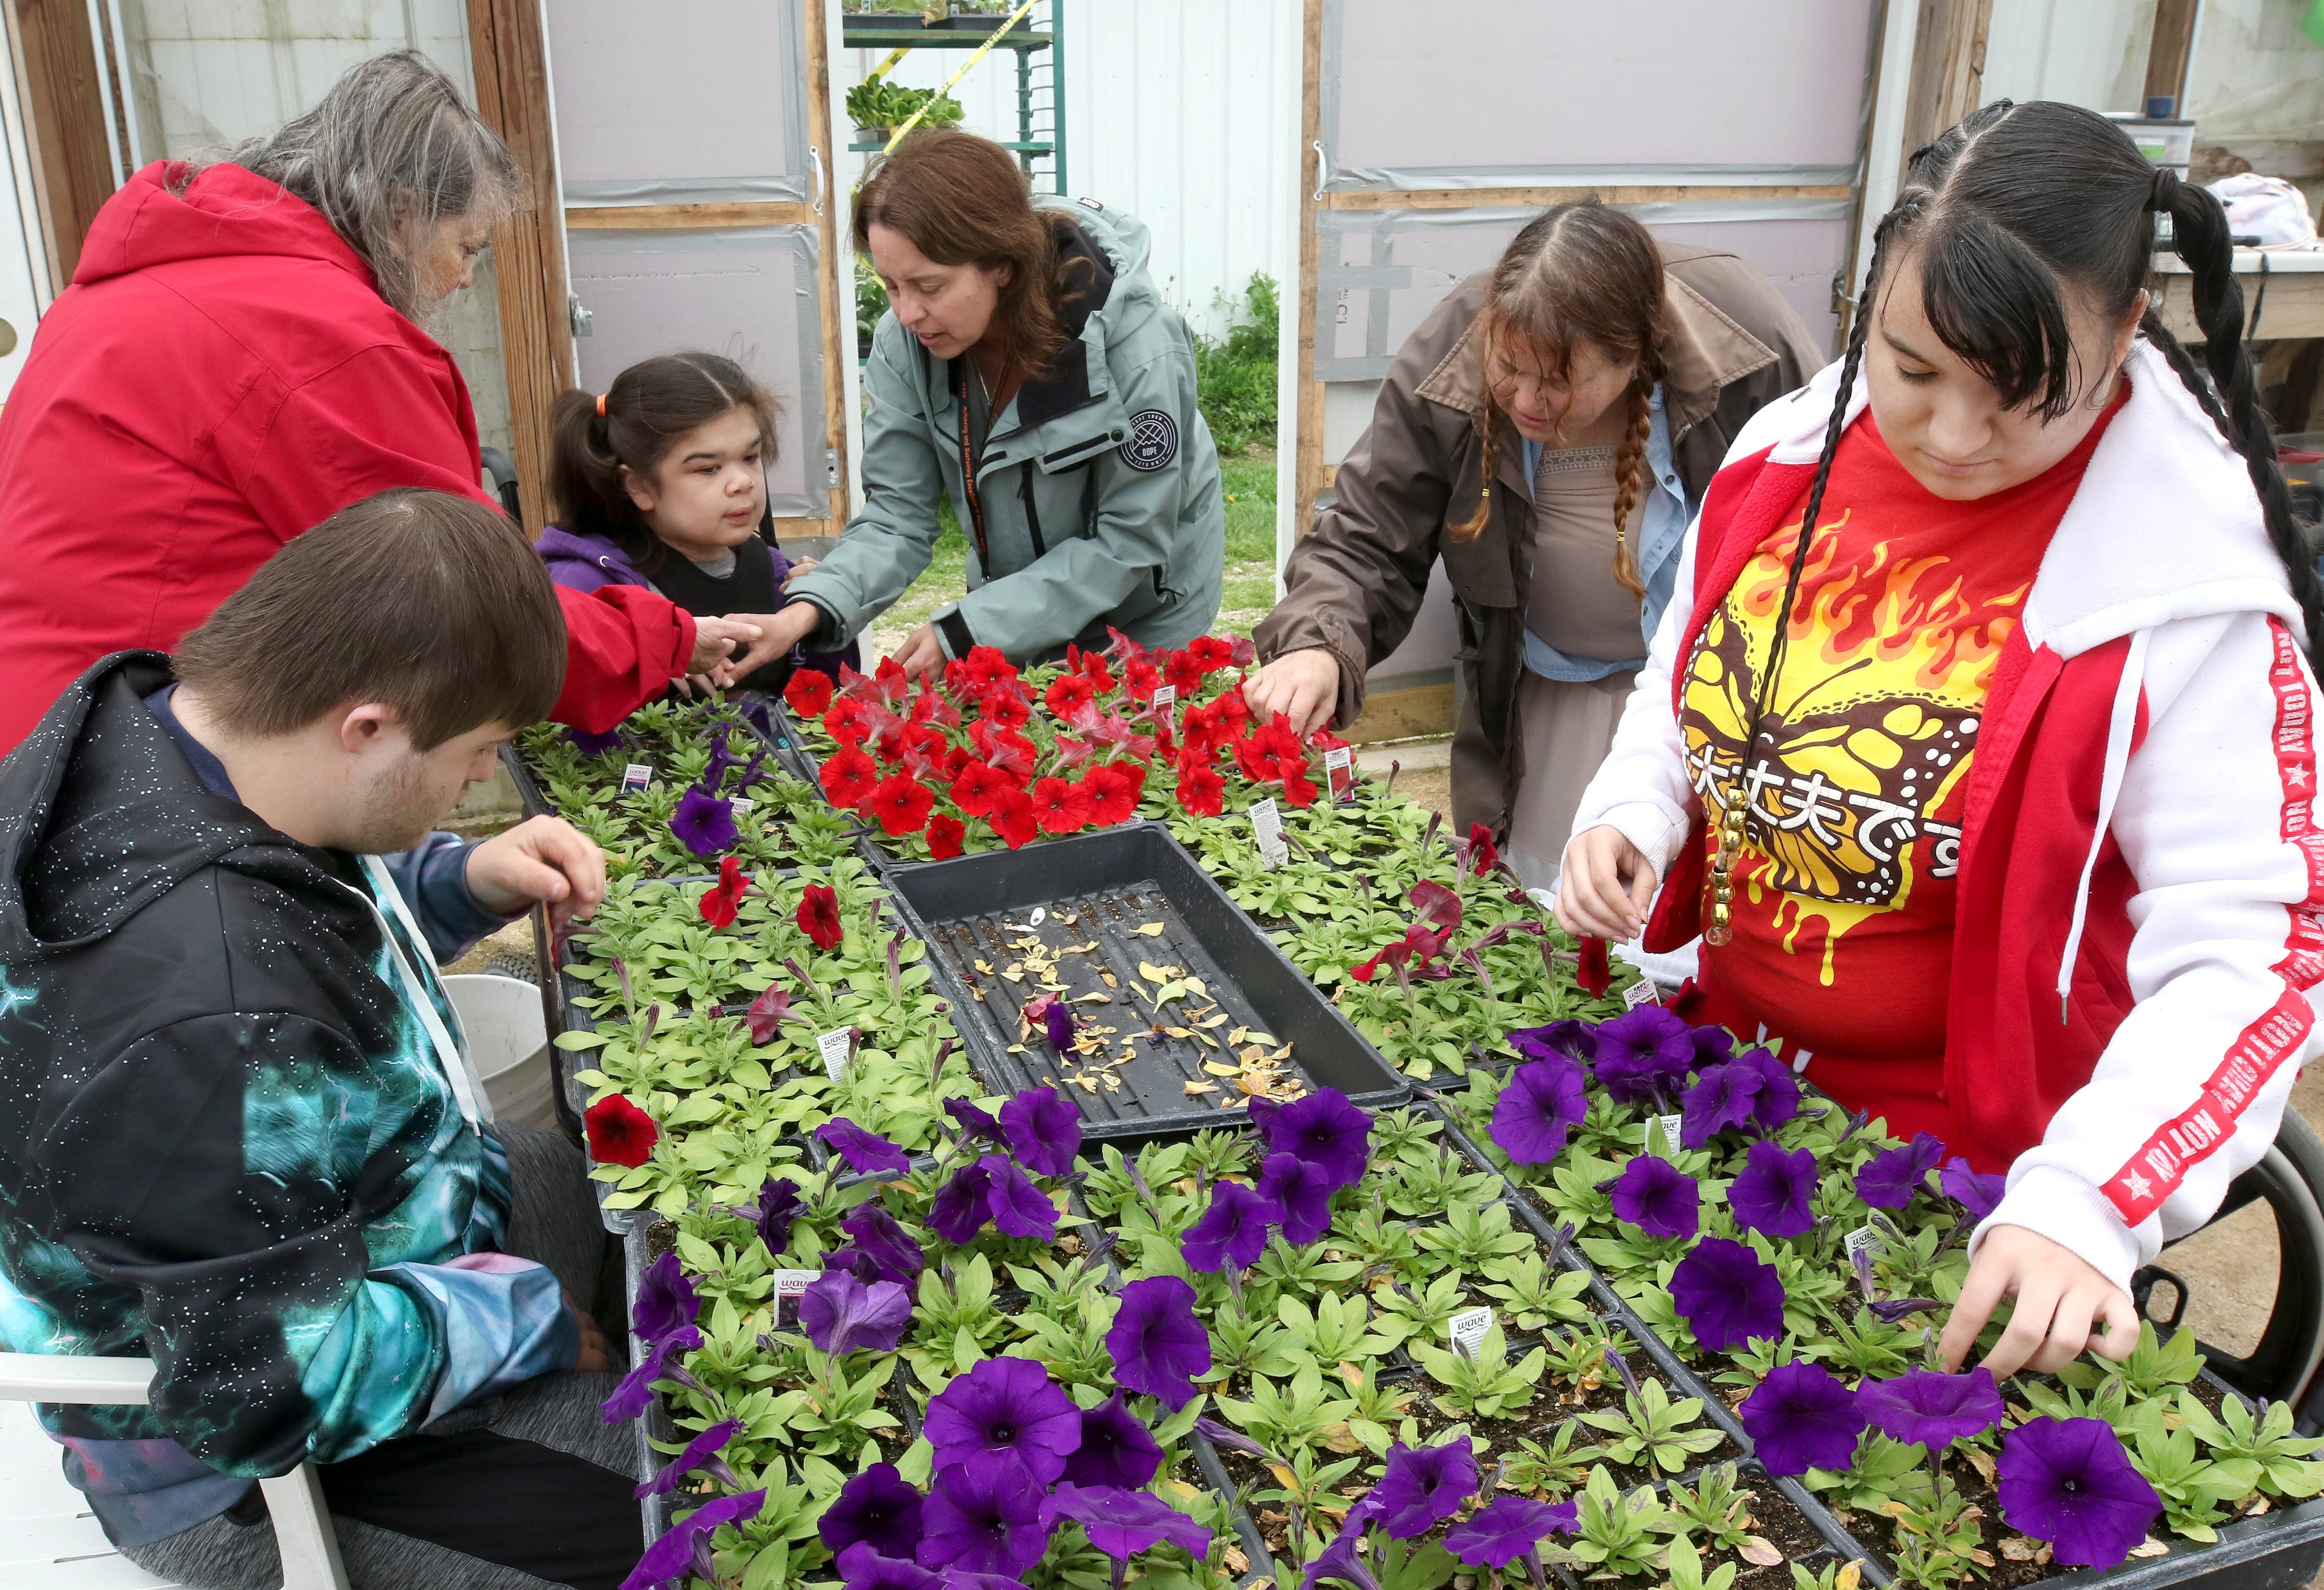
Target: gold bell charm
column 1719, row 887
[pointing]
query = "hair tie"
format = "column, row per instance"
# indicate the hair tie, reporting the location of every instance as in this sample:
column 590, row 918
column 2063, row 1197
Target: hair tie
column 2163, row 190
column 600, row 405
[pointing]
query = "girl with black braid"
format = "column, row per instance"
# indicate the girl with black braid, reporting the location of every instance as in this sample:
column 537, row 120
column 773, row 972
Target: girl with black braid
column 1980, row 751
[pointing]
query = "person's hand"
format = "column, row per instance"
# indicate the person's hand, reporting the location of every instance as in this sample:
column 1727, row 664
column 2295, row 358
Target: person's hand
column 542, row 858
column 776, row 634
column 592, row 1340
column 714, row 640
column 797, row 569
column 922, row 653
column 1300, row 687
column 1605, row 887
column 2060, row 1298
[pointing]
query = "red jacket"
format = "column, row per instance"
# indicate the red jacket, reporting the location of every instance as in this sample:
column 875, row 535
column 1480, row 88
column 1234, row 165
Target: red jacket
column 221, row 375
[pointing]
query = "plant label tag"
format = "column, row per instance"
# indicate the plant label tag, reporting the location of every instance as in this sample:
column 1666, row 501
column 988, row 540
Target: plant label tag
column 1040, row 914
column 1267, row 829
column 1866, row 1241
column 1641, row 992
column 637, row 776
column 739, row 804
column 1668, row 1126
column 1468, row 1330
column 790, row 1286
column 837, row 1048
column 1340, row 771
column 1165, row 697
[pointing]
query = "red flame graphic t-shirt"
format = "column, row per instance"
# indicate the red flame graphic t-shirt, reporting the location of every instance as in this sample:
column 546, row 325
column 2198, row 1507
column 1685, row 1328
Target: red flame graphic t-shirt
column 1845, row 888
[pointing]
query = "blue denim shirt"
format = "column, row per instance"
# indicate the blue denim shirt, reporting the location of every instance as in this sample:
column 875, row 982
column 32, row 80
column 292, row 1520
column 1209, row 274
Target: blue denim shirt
column 1659, row 539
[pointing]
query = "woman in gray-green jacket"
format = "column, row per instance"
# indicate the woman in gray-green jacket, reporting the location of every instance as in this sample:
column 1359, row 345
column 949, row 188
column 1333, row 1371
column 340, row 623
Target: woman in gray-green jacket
column 1027, row 369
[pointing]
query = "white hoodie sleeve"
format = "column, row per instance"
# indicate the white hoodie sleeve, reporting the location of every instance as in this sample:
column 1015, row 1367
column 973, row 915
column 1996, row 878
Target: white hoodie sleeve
column 2216, row 820
column 1643, row 788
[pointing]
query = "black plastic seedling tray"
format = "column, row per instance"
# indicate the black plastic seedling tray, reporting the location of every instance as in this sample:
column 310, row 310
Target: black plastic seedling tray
column 1093, row 893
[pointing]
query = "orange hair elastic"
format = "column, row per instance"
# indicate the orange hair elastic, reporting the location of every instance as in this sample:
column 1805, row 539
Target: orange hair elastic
column 600, row 405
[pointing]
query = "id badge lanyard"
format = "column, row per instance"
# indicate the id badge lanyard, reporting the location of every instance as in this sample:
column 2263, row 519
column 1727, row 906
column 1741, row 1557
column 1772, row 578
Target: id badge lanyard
column 451, row 1052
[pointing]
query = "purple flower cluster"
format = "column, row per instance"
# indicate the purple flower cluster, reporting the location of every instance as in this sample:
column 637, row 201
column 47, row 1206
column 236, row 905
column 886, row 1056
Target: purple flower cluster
column 1419, row 1489
column 1315, row 1146
column 663, row 1319
column 1642, row 1055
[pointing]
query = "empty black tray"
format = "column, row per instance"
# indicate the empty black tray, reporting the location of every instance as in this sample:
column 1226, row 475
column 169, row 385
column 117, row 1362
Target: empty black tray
column 1112, row 884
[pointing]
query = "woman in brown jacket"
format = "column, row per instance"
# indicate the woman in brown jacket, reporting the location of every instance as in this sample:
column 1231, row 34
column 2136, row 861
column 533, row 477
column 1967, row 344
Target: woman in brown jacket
column 1595, row 378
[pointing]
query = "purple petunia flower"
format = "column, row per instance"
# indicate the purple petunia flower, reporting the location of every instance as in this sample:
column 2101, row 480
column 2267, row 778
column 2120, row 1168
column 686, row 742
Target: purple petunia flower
column 984, row 1517
column 1658, row 1197
column 1044, row 1129
column 1890, row 1177
column 1725, row 1295
column 1778, row 1098
column 703, row 823
column 1301, row 1193
column 878, row 1507
column 779, row 1206
column 1508, row 1529
column 1019, row 1207
column 1058, row 1026
column 1713, row 1046
column 702, row 1453
column 1116, row 1448
column 1567, row 1040
column 956, row 1577
column 963, row 1205
column 1423, row 1487
column 666, row 1299
column 1343, row 1559
column 1156, row 1345
column 1233, row 1231
column 1647, row 1052
column 1979, row 1195
column 686, row 1547
column 590, row 745
column 853, row 1261
column 1228, row 1439
column 890, row 1247
column 1539, row 1107
column 636, row 1390
column 840, row 1315
column 864, row 1151
column 1120, row 1522
column 1721, row 1098
column 1323, row 1129
column 1775, row 1190
column 1800, row 1417
column 1003, row 1405
column 1923, row 1408
column 974, row 1123
column 2067, row 1481
column 863, row 1569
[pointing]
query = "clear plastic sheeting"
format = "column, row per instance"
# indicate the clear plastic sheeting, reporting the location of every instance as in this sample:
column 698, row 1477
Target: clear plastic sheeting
column 747, row 293
column 692, row 104
column 1380, row 272
column 1517, row 93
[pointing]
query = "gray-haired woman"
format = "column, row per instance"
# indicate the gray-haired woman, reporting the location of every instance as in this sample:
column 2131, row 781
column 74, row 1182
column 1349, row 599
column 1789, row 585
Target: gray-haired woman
column 241, row 355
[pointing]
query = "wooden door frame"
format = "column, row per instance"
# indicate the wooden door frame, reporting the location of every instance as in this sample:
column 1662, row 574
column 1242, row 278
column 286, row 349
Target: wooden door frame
column 56, row 66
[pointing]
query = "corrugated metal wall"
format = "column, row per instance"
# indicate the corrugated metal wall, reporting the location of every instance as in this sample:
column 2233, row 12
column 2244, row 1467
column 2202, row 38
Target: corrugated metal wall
column 1181, row 112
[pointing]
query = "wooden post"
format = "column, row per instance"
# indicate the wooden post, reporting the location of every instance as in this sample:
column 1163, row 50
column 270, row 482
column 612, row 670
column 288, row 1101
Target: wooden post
column 1948, row 68
column 1307, row 466
column 2166, row 55
column 64, row 119
column 509, row 47
column 835, row 290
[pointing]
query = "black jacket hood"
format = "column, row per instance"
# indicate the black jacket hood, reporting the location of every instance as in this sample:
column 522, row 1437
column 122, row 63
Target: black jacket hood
column 104, row 817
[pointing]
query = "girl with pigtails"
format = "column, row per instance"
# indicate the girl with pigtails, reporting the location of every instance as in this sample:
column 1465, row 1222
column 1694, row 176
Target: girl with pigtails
column 1548, row 430
column 1979, row 747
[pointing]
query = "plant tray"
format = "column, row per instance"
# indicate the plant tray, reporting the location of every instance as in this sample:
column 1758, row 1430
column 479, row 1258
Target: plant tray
column 1093, row 895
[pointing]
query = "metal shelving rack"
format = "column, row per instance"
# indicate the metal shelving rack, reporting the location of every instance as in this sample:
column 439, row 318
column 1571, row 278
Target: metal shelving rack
column 892, row 31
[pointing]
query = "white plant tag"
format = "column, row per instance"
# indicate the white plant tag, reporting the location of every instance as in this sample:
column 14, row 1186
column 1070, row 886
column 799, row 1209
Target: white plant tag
column 790, row 1286
column 1166, row 696
column 739, row 804
column 1040, row 914
column 1468, row 1330
column 1340, row 771
column 637, row 776
column 1266, row 828
column 1670, row 1127
column 1866, row 1241
column 1641, row 992
column 837, row 1048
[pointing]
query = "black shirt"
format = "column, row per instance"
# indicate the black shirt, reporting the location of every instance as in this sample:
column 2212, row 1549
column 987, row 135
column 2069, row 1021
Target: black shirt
column 749, row 588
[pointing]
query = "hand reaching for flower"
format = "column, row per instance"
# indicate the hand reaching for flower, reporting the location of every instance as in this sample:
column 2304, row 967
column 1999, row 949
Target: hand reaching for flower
column 1607, row 885
column 542, row 858
column 2060, row 1297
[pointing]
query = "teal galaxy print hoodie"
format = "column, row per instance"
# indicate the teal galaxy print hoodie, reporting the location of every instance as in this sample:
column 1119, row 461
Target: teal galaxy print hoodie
column 226, row 1140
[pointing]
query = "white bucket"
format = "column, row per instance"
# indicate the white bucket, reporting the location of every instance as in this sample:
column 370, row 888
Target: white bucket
column 507, row 1040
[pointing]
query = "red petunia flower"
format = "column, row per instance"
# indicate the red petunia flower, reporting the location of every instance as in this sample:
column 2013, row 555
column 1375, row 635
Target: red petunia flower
column 1059, row 807
column 1094, row 669
column 957, row 677
column 890, row 680
column 847, row 722
column 1365, row 971
column 1113, row 797
column 1009, row 752
column 1484, row 855
column 1140, row 678
column 1212, row 652
column 1183, row 672
column 620, row 1134
column 987, row 666
column 1012, row 819
column 946, row 835
column 809, row 693
column 1596, row 972
column 1202, row 793
column 977, row 788
column 1066, row 692
column 721, row 899
column 1297, row 788
column 1004, row 706
column 849, row 775
column 1233, row 711
column 901, row 803
column 818, row 916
